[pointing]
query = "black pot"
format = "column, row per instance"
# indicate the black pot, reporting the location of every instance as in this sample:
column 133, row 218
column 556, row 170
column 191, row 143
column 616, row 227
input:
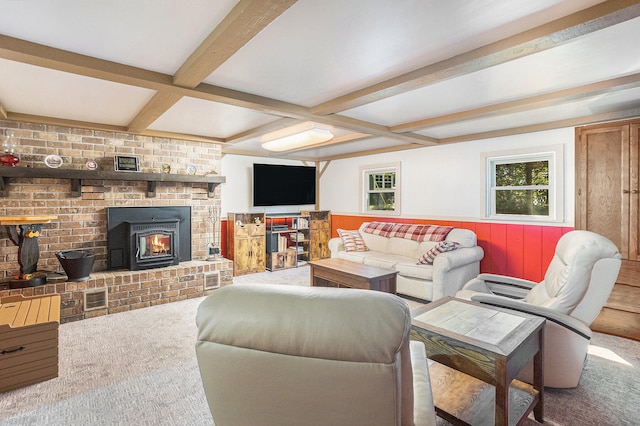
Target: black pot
column 76, row 264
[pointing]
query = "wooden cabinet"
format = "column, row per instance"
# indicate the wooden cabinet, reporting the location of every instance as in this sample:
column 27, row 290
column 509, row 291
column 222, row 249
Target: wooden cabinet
column 607, row 202
column 246, row 242
column 287, row 240
column 28, row 340
column 319, row 234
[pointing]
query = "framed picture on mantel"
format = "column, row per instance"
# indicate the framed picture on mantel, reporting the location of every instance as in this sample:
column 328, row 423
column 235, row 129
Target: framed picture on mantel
column 126, row 164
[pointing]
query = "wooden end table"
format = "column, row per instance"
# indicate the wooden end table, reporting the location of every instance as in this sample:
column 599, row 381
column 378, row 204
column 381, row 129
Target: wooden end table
column 335, row 272
column 475, row 352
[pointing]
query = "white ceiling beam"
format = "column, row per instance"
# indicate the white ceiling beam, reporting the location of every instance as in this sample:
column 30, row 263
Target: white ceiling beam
column 570, row 122
column 525, row 104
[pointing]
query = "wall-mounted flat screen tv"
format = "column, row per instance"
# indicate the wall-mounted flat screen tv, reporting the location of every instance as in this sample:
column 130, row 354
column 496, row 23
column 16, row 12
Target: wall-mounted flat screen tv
column 280, row 185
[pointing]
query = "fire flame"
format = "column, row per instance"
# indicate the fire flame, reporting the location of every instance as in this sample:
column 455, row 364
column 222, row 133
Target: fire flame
column 157, row 245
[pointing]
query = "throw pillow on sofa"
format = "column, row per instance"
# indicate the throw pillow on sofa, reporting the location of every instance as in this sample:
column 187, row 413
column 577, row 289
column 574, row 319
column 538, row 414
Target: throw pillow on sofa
column 441, row 247
column 352, row 240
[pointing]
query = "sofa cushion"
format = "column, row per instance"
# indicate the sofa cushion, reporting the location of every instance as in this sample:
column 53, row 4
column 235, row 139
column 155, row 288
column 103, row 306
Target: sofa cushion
column 413, row 270
column 403, row 247
column 353, row 256
column 382, row 260
column 441, row 247
column 374, row 242
column 424, row 247
column 352, row 240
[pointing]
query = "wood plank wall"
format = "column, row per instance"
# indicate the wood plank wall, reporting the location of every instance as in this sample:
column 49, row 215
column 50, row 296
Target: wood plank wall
column 522, row 251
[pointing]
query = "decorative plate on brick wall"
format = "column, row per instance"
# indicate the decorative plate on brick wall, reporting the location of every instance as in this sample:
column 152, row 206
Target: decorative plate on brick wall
column 53, row 161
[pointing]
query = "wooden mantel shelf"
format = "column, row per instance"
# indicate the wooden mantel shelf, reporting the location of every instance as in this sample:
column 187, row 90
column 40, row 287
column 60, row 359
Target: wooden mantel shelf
column 25, row 220
column 78, row 176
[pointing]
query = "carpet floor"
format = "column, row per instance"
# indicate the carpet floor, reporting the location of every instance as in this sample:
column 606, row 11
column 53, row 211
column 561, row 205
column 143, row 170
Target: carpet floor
column 139, row 368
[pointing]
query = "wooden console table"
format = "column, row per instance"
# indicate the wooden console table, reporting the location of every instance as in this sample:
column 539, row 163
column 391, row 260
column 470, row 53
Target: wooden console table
column 78, row 176
column 475, row 352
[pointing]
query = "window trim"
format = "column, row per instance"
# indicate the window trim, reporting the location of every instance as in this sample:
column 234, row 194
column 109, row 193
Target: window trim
column 365, row 171
column 552, row 153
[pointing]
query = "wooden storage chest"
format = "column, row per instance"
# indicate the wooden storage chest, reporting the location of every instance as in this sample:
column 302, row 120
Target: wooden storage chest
column 28, row 340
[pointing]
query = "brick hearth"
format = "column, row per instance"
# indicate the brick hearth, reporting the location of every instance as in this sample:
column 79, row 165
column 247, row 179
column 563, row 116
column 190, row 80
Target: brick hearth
column 128, row 290
column 81, row 223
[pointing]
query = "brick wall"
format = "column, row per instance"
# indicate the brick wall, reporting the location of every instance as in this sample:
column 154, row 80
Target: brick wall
column 81, row 222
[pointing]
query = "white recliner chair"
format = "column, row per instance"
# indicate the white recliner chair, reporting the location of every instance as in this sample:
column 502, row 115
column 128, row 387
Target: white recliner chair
column 576, row 285
column 286, row 355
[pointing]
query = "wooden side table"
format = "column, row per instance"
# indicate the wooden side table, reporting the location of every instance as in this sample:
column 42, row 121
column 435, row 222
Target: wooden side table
column 475, row 352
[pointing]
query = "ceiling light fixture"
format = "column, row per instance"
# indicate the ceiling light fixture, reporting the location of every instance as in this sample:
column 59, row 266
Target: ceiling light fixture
column 298, row 140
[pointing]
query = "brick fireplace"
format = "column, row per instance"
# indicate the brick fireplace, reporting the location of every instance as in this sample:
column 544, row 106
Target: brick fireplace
column 82, row 220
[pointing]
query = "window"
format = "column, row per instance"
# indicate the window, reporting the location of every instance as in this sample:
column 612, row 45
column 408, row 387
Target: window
column 381, row 189
column 524, row 185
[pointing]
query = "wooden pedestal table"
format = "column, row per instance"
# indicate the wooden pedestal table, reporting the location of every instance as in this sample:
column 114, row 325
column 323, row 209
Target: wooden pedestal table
column 475, row 352
column 342, row 273
column 24, row 231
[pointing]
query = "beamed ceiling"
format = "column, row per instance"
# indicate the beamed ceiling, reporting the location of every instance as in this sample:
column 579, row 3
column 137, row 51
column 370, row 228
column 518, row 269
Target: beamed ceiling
column 381, row 75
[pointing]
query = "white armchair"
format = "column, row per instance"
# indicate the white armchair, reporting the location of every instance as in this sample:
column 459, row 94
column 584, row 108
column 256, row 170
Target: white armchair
column 576, row 285
column 285, row 355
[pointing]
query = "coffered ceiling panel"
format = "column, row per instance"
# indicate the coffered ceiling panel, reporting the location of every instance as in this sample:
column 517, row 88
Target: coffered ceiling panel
column 199, row 117
column 155, row 35
column 47, row 93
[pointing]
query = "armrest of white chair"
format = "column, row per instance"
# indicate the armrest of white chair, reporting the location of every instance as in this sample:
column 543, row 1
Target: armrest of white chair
column 502, row 285
column 563, row 320
column 503, row 279
column 423, row 410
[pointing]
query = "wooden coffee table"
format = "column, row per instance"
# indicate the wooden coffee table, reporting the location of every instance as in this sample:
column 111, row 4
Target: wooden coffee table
column 475, row 351
column 343, row 273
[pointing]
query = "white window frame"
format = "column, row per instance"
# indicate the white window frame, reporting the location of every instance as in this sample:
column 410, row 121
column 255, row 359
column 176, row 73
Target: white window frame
column 554, row 154
column 365, row 171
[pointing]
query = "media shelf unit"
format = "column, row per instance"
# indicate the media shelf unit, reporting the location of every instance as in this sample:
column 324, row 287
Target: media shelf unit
column 77, row 178
column 287, row 240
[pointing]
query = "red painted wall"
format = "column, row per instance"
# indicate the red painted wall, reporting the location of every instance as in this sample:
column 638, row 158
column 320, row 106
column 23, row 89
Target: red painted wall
column 522, row 251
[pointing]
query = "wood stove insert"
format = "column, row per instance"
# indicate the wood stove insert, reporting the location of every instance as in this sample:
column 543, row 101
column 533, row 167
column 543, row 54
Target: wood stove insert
column 148, row 237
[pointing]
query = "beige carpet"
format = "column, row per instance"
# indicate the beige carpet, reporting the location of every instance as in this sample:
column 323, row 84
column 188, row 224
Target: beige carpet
column 139, row 368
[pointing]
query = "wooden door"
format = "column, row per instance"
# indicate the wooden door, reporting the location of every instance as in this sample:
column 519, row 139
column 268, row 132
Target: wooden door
column 319, row 244
column 319, row 235
column 241, row 257
column 314, row 245
column 602, row 183
column 607, row 202
column 257, row 247
column 257, row 253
